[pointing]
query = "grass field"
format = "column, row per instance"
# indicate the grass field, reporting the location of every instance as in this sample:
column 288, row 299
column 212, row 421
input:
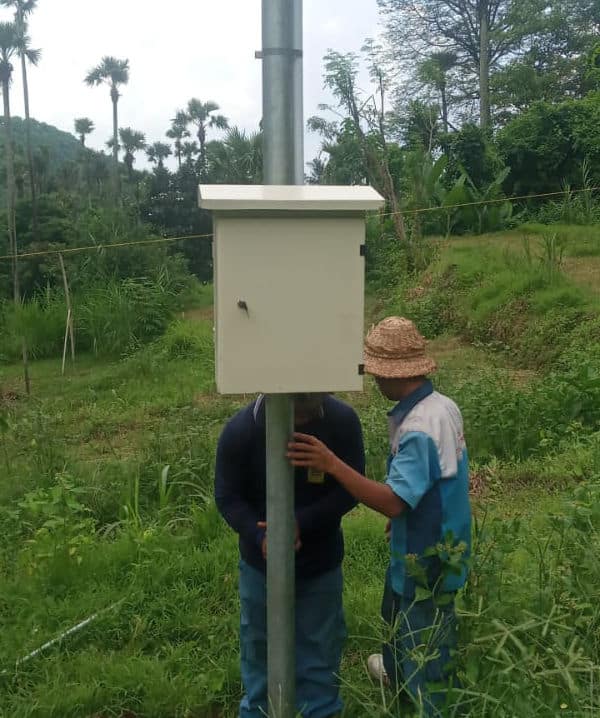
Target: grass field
column 106, row 506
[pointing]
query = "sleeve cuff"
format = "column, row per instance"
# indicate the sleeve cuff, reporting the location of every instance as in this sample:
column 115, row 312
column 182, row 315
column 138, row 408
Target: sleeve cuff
column 408, row 498
column 259, row 536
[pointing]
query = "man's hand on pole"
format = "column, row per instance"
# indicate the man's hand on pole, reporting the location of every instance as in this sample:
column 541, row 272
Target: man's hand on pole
column 308, row 452
column 297, row 541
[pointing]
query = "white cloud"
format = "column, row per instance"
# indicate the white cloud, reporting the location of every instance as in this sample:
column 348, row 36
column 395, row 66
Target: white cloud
column 177, row 50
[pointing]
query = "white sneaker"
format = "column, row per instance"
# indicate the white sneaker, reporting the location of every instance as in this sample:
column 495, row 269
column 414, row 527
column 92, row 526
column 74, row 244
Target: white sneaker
column 377, row 669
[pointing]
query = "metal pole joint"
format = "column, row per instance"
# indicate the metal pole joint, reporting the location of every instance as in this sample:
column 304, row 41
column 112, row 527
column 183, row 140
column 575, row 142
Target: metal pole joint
column 285, row 51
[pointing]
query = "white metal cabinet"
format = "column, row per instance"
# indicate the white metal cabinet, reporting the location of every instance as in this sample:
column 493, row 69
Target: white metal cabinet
column 289, row 286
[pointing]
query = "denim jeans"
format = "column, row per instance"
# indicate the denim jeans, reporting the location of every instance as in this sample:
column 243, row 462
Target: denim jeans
column 320, row 637
column 418, row 655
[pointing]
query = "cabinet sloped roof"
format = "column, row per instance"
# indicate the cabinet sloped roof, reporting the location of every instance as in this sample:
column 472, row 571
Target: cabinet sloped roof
column 319, row 198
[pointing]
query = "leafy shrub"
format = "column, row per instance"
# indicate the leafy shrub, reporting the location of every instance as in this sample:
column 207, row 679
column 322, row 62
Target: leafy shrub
column 500, row 420
column 575, row 207
column 196, row 295
column 483, row 208
column 546, row 145
column 584, row 342
column 64, row 224
column 505, row 421
column 427, row 303
column 58, row 523
column 471, row 152
column 429, row 314
column 385, row 258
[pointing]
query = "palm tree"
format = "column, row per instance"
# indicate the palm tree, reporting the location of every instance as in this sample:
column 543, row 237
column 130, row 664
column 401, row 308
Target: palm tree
column 158, row 153
column 189, row 150
column 114, row 73
column 132, row 142
column 434, row 71
column 20, row 165
column 237, row 159
column 24, row 8
column 41, row 163
column 318, row 168
column 83, row 126
column 201, row 114
column 9, row 47
column 178, row 131
column 98, row 172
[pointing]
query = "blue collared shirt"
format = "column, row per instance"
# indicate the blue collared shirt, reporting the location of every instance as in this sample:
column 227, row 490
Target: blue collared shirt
column 428, row 469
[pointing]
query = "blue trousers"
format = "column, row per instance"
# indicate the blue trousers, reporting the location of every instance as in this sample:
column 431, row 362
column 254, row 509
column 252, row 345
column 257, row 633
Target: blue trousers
column 320, row 637
column 418, row 655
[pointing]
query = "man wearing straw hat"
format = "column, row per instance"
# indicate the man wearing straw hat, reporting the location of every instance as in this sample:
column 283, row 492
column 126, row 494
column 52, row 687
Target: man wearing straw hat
column 426, row 497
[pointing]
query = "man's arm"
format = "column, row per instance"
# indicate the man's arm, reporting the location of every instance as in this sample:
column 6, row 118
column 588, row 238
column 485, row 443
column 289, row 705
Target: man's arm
column 338, row 502
column 307, row 451
column 373, row 494
column 232, row 454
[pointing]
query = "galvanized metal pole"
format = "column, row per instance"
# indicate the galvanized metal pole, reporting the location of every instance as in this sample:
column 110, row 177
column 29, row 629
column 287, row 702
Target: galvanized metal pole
column 298, row 85
column 283, row 163
column 281, row 635
column 283, row 122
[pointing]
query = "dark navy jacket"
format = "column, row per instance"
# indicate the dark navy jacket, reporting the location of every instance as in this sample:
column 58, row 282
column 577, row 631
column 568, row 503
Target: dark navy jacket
column 240, row 486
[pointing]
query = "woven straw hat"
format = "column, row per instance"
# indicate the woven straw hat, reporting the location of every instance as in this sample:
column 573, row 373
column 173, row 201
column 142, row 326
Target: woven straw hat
column 394, row 349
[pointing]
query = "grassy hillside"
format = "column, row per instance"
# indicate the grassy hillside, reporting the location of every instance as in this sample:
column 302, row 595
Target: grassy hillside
column 106, row 503
column 61, row 146
column 56, row 155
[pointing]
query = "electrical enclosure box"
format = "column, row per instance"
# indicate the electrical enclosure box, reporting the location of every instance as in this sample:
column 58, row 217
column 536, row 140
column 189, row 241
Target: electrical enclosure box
column 289, row 286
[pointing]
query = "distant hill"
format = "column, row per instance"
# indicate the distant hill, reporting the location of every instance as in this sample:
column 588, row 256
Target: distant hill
column 56, row 156
column 61, row 146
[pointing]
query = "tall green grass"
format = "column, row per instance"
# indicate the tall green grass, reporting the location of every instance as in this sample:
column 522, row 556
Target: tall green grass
column 579, row 241
column 111, row 319
column 123, row 315
column 41, row 321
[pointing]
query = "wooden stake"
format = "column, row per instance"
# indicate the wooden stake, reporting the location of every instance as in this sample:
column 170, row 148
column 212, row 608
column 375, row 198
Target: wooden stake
column 72, row 335
column 64, row 358
column 69, row 332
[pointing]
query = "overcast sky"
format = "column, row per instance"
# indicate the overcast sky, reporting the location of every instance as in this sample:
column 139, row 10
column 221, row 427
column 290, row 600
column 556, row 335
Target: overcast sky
column 177, row 50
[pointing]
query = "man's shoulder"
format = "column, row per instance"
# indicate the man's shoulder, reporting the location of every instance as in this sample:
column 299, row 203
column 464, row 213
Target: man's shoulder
column 434, row 408
column 439, row 418
column 242, row 423
column 339, row 411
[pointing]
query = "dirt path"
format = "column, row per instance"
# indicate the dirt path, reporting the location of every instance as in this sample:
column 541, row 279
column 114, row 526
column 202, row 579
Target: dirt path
column 585, row 271
column 465, row 360
column 203, row 314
